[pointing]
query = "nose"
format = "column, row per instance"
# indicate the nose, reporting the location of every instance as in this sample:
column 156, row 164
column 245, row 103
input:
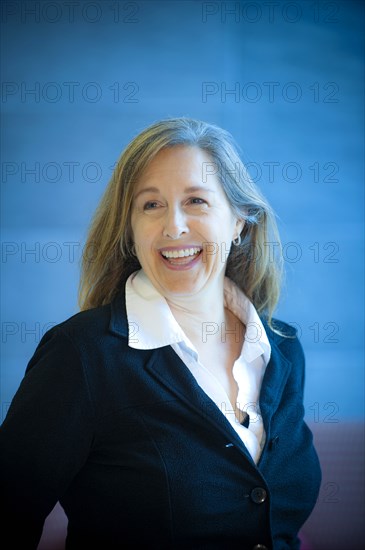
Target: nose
column 175, row 223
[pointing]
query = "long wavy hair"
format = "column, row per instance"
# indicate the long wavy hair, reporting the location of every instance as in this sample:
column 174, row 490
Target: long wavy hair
column 108, row 257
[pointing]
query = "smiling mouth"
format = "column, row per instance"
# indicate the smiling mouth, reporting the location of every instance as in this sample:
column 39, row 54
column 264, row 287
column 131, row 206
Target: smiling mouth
column 182, row 256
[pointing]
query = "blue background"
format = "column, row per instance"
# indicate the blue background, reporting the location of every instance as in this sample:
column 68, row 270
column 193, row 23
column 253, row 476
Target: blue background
column 285, row 78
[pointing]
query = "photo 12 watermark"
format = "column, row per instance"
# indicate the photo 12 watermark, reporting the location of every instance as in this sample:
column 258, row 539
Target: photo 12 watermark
column 241, row 13
column 70, row 92
column 272, row 171
column 73, row 12
column 270, row 92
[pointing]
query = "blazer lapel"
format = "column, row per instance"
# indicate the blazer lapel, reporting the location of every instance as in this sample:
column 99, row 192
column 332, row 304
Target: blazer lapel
column 276, row 375
column 170, row 370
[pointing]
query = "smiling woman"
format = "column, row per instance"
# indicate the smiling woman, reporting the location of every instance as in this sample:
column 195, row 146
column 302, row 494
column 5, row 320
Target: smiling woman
column 169, row 411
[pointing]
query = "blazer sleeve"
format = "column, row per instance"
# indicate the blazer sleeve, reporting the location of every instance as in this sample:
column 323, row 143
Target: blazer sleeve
column 45, row 438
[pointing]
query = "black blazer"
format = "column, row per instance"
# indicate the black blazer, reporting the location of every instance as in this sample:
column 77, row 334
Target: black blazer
column 139, row 455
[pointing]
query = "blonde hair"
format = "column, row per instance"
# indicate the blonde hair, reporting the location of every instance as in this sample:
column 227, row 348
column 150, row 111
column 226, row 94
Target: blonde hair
column 251, row 265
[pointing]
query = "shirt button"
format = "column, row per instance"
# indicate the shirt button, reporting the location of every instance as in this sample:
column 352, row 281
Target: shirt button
column 258, row 495
column 260, row 547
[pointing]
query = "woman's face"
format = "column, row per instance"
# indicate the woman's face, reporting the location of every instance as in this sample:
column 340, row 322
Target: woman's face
column 181, row 222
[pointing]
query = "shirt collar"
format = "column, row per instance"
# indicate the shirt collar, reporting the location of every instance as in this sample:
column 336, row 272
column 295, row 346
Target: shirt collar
column 154, row 325
column 256, row 342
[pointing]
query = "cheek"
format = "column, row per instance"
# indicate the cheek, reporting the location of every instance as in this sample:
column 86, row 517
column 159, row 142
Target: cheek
column 222, row 225
column 144, row 237
column 138, row 229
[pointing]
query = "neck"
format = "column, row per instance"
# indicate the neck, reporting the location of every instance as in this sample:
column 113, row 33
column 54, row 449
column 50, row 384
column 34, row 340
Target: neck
column 200, row 312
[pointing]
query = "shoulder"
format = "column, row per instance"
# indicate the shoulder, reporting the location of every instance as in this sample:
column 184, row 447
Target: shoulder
column 85, row 340
column 93, row 327
column 285, row 336
column 278, row 330
column 72, row 334
column 284, row 329
column 90, row 323
column 287, row 348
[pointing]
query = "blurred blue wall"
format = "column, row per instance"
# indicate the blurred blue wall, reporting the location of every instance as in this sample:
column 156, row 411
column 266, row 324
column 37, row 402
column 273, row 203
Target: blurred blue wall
column 79, row 80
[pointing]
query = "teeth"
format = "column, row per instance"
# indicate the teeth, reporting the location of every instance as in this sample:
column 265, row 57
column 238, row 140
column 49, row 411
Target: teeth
column 180, row 253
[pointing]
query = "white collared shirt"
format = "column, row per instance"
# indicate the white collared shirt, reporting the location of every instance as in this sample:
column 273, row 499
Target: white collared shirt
column 145, row 304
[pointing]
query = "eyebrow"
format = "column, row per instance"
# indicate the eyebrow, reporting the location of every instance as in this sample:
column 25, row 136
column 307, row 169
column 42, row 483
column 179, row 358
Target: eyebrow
column 192, row 189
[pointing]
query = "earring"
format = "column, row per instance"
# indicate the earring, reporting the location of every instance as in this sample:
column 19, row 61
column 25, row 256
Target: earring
column 133, row 249
column 237, row 240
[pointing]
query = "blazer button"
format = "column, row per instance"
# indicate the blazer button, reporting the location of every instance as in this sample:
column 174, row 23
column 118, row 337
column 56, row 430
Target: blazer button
column 260, row 547
column 258, row 495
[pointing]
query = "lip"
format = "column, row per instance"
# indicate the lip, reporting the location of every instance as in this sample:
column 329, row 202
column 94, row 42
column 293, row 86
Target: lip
column 180, row 267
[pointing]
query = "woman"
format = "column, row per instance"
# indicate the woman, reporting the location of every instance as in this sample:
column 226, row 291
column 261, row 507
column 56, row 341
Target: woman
column 168, row 413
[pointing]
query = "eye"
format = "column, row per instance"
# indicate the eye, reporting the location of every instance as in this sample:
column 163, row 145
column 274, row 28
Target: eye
column 197, row 200
column 150, row 205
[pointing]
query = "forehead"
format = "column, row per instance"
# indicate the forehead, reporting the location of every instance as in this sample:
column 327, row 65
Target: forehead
column 180, row 163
